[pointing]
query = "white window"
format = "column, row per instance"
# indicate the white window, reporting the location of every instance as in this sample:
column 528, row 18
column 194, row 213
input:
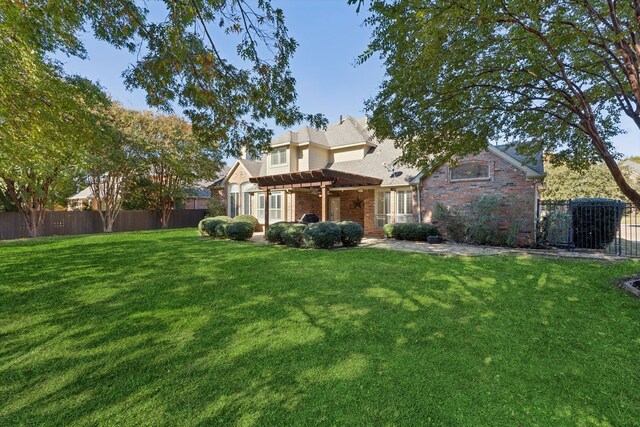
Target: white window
column 279, row 157
column 383, row 208
column 469, row 171
column 404, row 206
column 260, row 210
column 247, row 198
column 246, row 204
column 234, row 198
column 275, row 207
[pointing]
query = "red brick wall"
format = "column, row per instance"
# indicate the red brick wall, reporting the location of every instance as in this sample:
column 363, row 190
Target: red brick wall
column 506, row 181
column 306, row 202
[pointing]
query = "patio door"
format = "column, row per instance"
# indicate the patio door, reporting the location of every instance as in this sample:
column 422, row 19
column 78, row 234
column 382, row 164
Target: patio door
column 334, row 209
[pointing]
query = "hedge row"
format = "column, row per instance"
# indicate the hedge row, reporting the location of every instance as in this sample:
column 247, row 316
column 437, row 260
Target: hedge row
column 223, row 227
column 321, row 235
column 410, row 231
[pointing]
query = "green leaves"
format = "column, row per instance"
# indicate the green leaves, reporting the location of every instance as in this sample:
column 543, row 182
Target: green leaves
column 228, row 96
column 548, row 75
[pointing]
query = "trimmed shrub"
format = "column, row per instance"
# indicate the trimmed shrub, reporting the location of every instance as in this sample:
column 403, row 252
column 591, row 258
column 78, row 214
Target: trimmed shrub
column 247, row 218
column 450, row 223
column 483, row 221
column 223, row 218
column 201, row 225
column 238, row 230
column 213, row 227
column 274, row 232
column 293, row 235
column 414, row 231
column 351, row 233
column 387, row 229
column 595, row 221
column 323, row 235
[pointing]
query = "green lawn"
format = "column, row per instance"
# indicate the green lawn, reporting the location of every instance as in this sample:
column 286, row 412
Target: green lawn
column 166, row 328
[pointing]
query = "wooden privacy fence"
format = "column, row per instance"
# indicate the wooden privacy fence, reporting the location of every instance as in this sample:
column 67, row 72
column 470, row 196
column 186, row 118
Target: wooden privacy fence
column 12, row 224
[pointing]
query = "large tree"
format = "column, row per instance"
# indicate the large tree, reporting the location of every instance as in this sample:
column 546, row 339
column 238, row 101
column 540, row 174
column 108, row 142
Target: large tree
column 551, row 75
column 114, row 159
column 228, row 94
column 174, row 160
column 44, row 119
column 562, row 183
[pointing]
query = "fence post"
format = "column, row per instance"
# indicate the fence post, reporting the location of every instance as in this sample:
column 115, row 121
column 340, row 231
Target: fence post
column 571, row 225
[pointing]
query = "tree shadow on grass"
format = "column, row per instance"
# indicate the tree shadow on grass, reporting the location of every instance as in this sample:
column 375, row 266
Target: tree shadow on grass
column 166, row 328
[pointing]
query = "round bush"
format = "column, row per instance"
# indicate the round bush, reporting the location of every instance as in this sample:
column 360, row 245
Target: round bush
column 223, row 218
column 274, row 232
column 322, row 234
column 388, row 230
column 239, row 230
column 247, row 218
column 220, row 230
column 293, row 235
column 351, row 233
column 595, row 221
column 201, row 225
column 211, row 226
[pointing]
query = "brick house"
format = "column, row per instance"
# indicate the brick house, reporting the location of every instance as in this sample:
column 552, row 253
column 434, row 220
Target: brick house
column 342, row 173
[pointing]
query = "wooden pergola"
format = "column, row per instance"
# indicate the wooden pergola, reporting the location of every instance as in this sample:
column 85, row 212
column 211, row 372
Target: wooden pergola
column 320, row 178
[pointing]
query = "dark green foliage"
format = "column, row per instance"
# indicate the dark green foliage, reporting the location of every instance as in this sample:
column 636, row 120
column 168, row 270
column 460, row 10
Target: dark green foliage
column 247, row 218
column 483, row 225
column 274, row 232
column 238, row 230
column 450, row 223
column 387, row 229
column 553, row 77
column 595, row 221
column 414, row 231
column 139, row 194
column 322, row 235
column 351, row 233
column 293, row 235
column 215, row 206
column 220, row 231
column 201, row 225
column 554, row 229
column 214, row 227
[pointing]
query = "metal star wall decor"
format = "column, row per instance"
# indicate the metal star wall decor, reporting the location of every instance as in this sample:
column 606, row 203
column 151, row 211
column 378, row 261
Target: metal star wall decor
column 357, row 203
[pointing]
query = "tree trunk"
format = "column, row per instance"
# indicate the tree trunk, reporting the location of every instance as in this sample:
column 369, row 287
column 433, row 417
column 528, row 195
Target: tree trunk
column 611, row 164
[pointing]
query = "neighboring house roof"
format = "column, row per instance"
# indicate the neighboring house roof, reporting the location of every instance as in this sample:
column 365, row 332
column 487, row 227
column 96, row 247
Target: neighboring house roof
column 219, row 181
column 85, row 193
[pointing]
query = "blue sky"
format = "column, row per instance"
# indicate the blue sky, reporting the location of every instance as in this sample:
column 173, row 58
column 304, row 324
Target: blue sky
column 330, row 36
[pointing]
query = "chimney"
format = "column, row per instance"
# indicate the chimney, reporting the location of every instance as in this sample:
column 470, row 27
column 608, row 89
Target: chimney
column 340, row 118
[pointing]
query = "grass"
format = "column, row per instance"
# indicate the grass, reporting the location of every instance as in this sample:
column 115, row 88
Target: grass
column 167, row 328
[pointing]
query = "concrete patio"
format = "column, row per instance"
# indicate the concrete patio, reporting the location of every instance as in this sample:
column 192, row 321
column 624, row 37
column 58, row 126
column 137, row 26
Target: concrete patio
column 462, row 249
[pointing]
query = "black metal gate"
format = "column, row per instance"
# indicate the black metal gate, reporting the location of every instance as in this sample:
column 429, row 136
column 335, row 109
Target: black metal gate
column 590, row 225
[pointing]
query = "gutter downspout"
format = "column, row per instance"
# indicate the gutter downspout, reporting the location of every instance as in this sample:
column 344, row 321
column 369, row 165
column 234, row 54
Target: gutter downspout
column 419, row 203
